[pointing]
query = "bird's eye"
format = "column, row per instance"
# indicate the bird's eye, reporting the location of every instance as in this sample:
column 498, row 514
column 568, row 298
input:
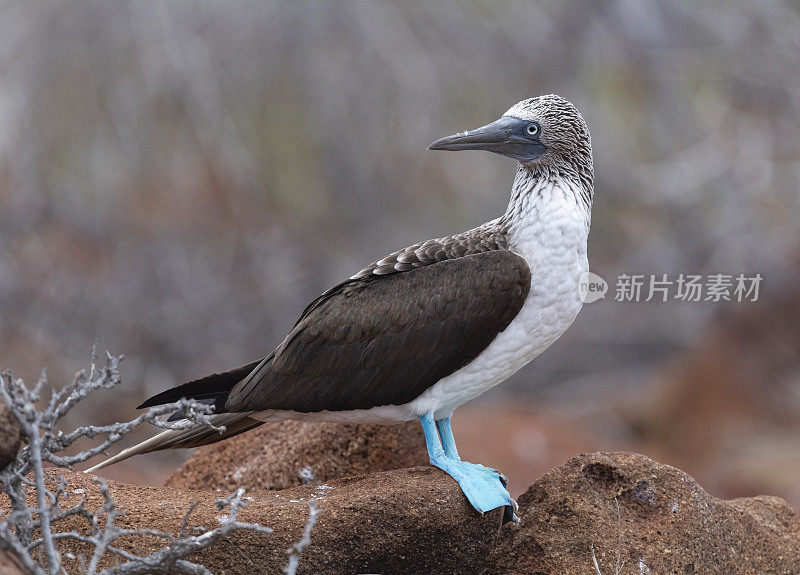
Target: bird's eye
column 532, row 129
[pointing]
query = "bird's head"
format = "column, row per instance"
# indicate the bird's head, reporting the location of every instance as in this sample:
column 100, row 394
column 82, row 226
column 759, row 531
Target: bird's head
column 546, row 132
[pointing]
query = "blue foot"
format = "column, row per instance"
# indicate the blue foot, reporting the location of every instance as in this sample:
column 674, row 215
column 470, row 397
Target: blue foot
column 485, row 488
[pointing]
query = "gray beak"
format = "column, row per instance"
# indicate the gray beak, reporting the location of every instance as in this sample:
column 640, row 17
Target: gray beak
column 507, row 137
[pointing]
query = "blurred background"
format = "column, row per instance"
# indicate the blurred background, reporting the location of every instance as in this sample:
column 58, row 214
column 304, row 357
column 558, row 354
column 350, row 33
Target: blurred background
column 178, row 179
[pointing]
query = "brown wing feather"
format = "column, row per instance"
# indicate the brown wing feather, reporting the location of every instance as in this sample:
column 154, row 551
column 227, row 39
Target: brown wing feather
column 384, row 339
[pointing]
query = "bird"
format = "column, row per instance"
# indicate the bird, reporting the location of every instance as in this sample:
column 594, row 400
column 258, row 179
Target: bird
column 418, row 333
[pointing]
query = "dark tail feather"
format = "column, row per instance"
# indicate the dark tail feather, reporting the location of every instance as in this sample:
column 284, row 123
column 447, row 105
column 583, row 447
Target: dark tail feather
column 211, row 390
column 235, row 423
column 214, row 387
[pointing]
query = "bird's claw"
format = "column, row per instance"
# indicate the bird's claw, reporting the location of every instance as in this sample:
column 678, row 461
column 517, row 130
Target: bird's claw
column 510, row 513
column 484, row 488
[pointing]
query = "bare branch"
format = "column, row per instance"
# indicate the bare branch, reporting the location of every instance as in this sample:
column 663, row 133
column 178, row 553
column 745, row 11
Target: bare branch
column 13, row 544
column 169, row 559
column 185, row 522
column 47, row 443
column 297, row 549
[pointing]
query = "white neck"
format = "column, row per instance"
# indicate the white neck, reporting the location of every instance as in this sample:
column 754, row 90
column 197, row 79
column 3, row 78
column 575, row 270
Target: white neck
column 537, row 197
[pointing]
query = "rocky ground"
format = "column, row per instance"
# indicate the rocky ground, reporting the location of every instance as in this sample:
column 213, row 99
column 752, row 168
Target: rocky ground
column 622, row 510
column 292, row 453
column 633, row 515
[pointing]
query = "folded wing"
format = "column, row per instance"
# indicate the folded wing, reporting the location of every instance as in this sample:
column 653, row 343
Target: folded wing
column 384, row 339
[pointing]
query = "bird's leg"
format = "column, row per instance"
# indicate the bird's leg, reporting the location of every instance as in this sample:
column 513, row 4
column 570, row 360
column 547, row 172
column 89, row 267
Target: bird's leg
column 448, row 441
column 432, row 440
column 449, row 446
column 484, row 487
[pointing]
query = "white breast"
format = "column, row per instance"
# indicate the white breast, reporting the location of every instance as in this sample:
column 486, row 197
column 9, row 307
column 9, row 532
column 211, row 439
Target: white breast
column 550, row 232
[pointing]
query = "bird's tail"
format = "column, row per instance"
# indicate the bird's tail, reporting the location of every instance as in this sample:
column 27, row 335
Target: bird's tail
column 195, row 436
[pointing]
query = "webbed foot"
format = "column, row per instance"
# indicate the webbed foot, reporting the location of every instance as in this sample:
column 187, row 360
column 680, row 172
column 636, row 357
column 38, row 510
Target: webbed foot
column 485, row 488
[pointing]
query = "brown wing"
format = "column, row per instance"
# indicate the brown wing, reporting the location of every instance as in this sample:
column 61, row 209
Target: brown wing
column 384, row 339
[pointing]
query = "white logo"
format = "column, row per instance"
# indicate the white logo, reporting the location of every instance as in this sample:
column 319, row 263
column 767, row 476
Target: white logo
column 591, row 287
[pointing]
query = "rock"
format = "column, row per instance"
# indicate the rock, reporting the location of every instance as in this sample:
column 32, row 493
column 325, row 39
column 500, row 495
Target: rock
column 10, row 435
column 10, row 565
column 666, row 523
column 290, row 453
column 654, row 517
column 403, row 521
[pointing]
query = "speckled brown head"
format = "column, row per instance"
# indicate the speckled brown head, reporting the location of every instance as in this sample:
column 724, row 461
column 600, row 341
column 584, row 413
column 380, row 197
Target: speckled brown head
column 545, row 134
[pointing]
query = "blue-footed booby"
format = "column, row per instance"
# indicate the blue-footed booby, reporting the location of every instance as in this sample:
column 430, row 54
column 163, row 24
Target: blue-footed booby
column 436, row 324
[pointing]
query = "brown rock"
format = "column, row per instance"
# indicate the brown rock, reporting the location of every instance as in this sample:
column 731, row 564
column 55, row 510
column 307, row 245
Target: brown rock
column 666, row 523
column 633, row 514
column 272, row 456
column 10, row 565
column 10, row 435
column 404, row 521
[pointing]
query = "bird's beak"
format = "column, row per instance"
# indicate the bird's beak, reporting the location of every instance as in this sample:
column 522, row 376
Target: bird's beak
column 506, row 136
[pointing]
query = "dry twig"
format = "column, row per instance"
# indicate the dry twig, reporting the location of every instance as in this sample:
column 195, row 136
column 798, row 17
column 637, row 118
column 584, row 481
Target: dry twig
column 46, row 443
